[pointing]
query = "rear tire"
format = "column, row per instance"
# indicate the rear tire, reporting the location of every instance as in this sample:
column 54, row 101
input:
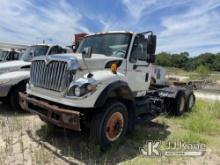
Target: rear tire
column 109, row 124
column 179, row 104
column 190, row 102
column 14, row 97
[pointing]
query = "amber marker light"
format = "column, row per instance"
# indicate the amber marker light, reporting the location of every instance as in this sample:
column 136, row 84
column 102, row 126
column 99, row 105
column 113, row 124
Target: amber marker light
column 114, row 68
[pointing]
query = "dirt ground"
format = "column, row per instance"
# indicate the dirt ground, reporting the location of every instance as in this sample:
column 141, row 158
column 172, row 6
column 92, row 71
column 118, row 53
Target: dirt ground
column 25, row 139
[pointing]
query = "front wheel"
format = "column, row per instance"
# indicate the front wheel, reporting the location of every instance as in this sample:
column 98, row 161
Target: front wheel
column 109, row 125
column 14, row 97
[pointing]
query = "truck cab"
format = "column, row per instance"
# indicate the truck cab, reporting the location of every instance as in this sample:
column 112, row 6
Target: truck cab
column 9, row 55
column 104, row 86
column 15, row 74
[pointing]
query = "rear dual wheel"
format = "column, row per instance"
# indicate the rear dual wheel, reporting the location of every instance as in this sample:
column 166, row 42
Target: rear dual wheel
column 183, row 102
column 180, row 104
column 191, row 99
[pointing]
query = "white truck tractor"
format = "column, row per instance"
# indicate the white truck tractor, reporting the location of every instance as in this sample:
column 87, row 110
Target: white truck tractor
column 14, row 75
column 104, row 86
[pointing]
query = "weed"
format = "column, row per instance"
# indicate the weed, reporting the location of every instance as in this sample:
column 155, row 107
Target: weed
column 41, row 156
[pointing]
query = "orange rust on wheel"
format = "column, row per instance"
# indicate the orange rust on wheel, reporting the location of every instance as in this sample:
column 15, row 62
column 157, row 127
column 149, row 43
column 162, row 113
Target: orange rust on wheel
column 114, row 126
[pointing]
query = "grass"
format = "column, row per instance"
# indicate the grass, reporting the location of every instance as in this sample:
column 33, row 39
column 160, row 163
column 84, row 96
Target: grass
column 191, row 74
column 41, row 156
column 201, row 125
column 176, row 71
column 203, row 119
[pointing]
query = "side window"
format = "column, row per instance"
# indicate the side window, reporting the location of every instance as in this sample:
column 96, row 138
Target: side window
column 8, row 57
column 11, row 55
column 139, row 50
column 16, row 57
column 53, row 50
column 143, row 49
column 134, row 51
column 61, row 50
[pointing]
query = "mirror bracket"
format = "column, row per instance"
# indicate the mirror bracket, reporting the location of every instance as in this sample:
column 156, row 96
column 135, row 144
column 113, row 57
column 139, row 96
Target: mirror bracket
column 87, row 52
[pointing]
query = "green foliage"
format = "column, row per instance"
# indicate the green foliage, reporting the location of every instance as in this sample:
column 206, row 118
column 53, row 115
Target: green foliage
column 202, row 70
column 184, row 61
column 163, row 59
column 203, row 119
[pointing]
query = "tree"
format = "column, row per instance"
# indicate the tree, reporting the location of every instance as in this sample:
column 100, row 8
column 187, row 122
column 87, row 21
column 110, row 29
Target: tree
column 203, row 71
column 184, row 61
column 180, row 60
column 163, row 59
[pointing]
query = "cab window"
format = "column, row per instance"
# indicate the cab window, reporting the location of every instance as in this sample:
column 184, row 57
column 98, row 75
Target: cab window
column 12, row 56
column 57, row 50
column 139, row 50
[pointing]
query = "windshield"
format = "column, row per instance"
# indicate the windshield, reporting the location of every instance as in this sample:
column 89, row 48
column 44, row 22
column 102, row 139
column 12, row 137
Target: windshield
column 115, row 44
column 34, row 51
column 3, row 55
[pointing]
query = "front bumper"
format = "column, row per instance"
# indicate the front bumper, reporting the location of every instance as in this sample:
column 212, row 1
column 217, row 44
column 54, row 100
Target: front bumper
column 54, row 114
column 4, row 89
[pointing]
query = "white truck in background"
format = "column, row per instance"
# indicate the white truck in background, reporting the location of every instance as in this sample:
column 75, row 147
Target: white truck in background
column 104, row 86
column 9, row 55
column 14, row 75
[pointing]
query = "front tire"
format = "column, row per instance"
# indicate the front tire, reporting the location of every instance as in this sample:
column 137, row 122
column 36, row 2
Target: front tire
column 14, row 98
column 109, row 125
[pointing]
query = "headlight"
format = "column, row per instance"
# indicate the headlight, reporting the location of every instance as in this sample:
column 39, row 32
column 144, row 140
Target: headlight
column 79, row 91
column 82, row 87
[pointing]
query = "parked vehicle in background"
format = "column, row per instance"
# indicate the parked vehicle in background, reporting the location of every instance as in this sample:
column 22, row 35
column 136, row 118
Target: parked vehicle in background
column 104, row 86
column 77, row 39
column 9, row 55
column 15, row 74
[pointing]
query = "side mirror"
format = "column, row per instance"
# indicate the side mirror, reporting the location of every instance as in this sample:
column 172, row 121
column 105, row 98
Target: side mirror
column 151, row 58
column 73, row 47
column 151, row 44
column 87, row 52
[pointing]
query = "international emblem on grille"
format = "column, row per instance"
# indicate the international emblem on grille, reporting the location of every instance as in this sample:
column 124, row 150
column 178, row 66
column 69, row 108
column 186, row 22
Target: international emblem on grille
column 47, row 60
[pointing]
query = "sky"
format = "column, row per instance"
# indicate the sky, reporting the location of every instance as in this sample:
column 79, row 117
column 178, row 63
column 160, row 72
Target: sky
column 180, row 25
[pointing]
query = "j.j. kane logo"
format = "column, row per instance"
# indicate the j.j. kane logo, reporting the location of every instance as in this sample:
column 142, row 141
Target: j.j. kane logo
column 152, row 148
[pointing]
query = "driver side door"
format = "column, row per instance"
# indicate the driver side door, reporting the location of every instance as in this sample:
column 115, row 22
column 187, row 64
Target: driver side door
column 138, row 70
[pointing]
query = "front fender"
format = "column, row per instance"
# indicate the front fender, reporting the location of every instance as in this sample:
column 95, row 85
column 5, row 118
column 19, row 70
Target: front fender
column 113, row 85
column 117, row 89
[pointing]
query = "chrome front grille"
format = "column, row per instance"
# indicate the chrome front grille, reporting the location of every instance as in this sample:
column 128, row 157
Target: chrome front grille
column 53, row 76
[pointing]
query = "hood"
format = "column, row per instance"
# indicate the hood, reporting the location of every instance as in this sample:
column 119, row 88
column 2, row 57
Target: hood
column 96, row 62
column 13, row 66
